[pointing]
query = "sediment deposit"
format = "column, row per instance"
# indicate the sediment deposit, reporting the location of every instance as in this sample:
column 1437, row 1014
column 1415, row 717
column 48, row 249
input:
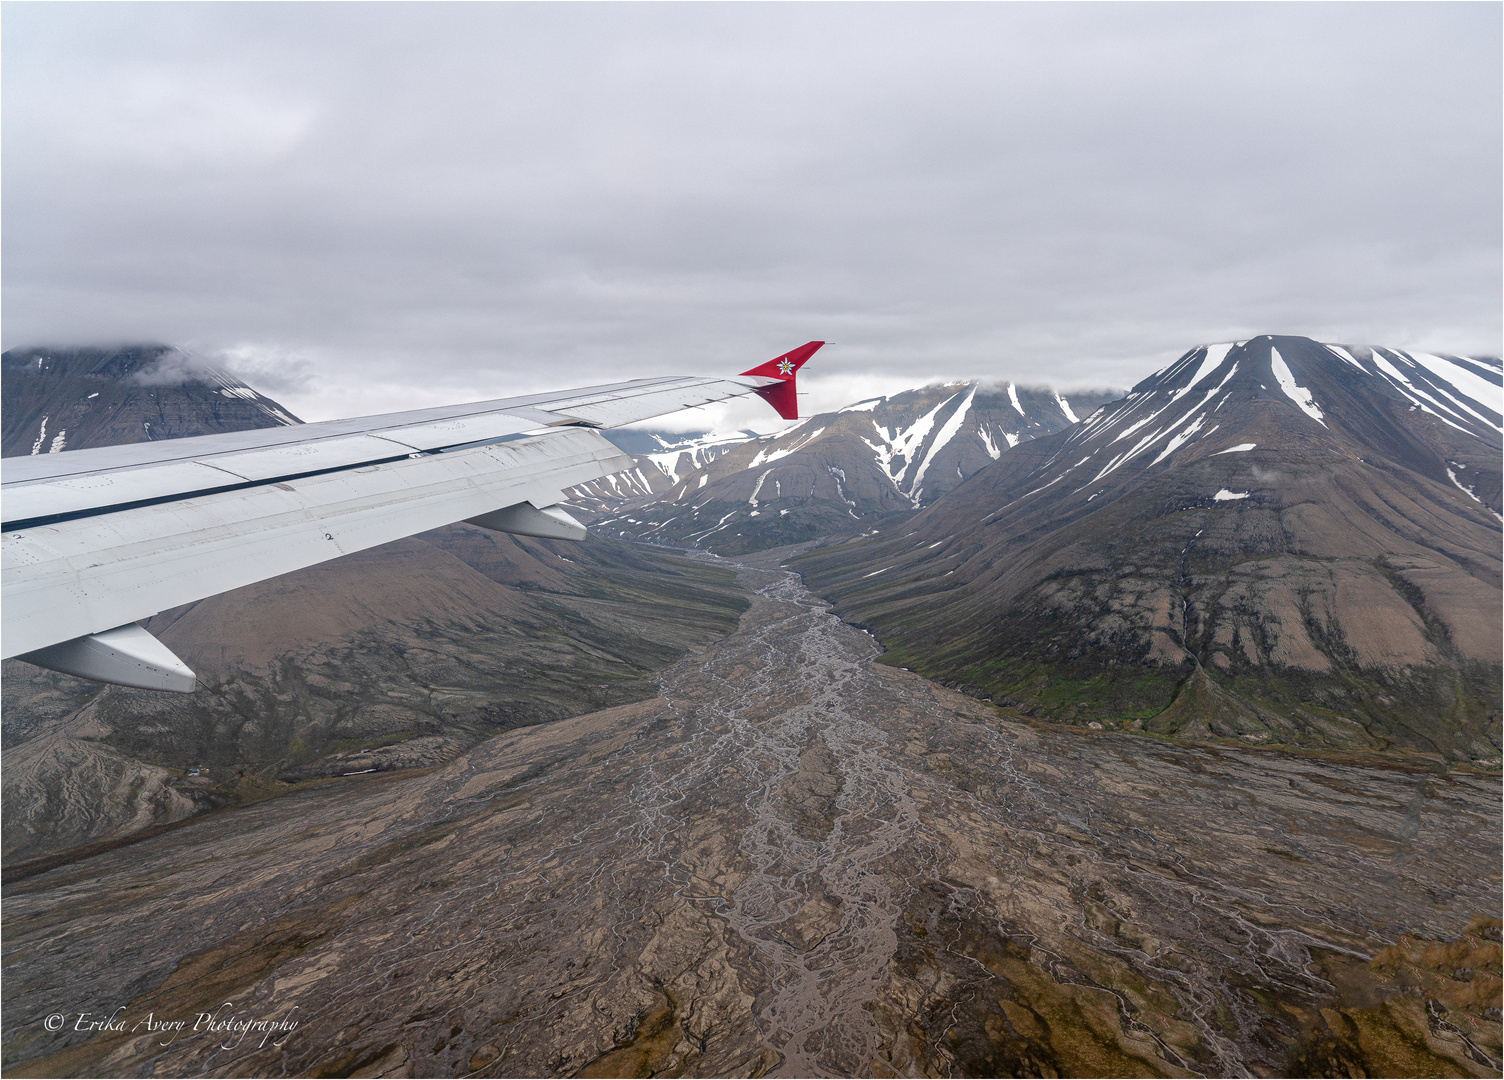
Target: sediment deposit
column 791, row 862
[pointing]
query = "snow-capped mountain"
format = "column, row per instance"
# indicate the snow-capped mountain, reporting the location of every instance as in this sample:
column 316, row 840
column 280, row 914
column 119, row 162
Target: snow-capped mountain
column 832, row 474
column 1372, row 393
column 1303, row 538
column 676, row 456
column 662, row 460
column 69, row 399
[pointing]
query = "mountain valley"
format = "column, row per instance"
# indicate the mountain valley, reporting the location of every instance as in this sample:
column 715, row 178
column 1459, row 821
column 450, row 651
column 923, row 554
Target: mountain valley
column 978, row 730
column 791, row 862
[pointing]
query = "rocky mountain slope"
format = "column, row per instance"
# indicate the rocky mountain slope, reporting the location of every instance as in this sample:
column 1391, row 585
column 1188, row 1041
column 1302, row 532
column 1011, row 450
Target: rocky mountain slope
column 398, row 657
column 70, row 399
column 1275, row 541
column 662, row 459
column 829, row 475
column 394, row 658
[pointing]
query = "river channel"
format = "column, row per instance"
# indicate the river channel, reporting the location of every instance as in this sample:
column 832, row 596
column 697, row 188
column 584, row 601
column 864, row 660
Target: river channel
column 794, row 862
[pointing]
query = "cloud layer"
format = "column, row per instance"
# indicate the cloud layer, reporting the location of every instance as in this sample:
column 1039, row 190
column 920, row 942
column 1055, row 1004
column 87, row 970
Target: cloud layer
column 391, row 205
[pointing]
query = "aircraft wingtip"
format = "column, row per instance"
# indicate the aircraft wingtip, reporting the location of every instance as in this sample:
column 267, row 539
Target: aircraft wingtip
column 782, row 395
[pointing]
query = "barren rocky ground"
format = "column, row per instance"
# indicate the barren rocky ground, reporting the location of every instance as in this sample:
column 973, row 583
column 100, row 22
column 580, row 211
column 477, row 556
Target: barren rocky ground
column 399, row 657
column 791, row 862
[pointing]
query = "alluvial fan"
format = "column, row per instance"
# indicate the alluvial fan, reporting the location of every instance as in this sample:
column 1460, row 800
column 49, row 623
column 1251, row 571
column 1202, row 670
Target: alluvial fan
column 793, row 862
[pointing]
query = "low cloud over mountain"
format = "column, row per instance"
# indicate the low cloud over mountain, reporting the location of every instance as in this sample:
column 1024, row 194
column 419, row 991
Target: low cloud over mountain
column 70, row 399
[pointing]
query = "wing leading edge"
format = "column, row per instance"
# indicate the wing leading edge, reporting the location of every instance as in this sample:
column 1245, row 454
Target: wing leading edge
column 96, row 540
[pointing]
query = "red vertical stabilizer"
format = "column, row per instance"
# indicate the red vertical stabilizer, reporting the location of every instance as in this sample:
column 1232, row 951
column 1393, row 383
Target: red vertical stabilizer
column 782, row 395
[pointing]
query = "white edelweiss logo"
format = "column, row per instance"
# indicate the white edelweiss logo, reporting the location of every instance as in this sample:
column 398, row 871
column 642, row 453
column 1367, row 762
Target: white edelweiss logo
column 785, row 367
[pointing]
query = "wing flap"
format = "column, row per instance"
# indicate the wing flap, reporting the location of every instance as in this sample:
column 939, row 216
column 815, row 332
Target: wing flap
column 84, row 576
column 52, row 498
column 27, row 502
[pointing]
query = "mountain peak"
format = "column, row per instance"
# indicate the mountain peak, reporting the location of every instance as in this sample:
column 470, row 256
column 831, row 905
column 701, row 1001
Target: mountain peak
column 59, row 399
column 1314, row 527
column 1281, row 391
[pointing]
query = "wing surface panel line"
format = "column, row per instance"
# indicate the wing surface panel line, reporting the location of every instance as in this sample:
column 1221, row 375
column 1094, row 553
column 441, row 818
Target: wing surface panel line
column 85, row 576
column 523, row 411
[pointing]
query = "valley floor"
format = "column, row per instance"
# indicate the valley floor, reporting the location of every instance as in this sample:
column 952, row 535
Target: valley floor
column 791, row 862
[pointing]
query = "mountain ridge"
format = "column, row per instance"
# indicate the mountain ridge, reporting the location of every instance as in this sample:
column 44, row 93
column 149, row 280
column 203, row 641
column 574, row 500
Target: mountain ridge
column 832, row 474
column 1326, row 564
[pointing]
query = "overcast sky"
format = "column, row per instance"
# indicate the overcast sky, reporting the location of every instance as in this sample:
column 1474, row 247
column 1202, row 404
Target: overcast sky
column 369, row 207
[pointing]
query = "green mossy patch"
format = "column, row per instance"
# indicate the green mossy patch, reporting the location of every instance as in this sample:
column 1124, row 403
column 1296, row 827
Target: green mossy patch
column 1451, row 713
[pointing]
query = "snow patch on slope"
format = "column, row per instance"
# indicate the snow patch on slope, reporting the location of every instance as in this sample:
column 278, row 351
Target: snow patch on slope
column 699, row 451
column 1415, row 393
column 1179, row 440
column 947, row 432
column 1345, row 355
column 1215, row 355
column 770, row 454
column 1470, row 494
column 760, row 481
column 1298, row 394
column 905, row 443
column 1466, row 383
column 1065, row 407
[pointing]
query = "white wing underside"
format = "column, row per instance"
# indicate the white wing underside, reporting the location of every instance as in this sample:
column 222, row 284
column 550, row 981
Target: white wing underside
column 97, row 539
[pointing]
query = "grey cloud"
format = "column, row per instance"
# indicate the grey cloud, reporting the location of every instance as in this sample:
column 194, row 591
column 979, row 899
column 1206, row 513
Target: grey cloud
column 174, row 367
column 268, row 371
column 442, row 199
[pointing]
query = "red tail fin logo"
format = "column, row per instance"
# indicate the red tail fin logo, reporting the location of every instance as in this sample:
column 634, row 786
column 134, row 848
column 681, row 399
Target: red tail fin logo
column 782, row 395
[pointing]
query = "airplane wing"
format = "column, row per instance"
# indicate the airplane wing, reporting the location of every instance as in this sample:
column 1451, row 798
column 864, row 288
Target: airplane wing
column 95, row 540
